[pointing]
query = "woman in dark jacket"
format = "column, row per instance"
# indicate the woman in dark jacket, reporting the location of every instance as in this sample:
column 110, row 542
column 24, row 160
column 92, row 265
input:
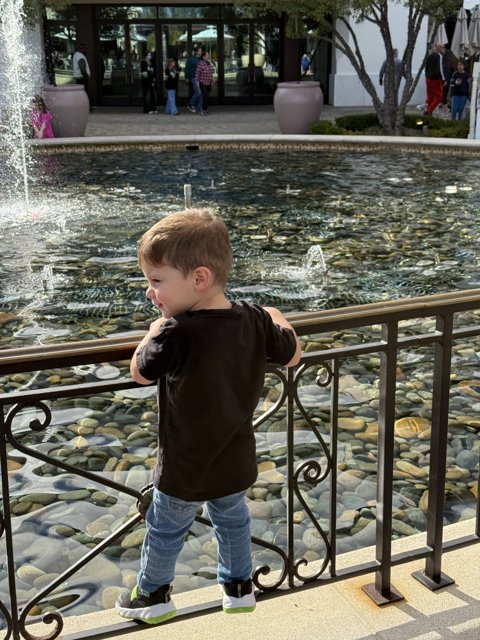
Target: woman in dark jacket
column 171, row 85
column 147, row 72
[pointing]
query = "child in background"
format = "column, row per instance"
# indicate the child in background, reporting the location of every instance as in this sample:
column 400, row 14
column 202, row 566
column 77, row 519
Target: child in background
column 41, row 119
column 171, row 85
column 459, row 90
column 209, row 355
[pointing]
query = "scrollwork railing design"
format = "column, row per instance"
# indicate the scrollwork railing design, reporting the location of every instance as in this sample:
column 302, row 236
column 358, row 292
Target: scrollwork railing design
column 310, row 470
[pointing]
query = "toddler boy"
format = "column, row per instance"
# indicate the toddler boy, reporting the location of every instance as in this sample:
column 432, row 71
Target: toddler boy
column 209, row 355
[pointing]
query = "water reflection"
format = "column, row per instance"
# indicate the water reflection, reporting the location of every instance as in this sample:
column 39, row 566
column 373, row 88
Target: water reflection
column 387, row 226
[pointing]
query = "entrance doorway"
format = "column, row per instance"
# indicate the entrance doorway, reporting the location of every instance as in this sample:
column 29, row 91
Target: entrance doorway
column 122, row 47
column 245, row 57
column 250, row 62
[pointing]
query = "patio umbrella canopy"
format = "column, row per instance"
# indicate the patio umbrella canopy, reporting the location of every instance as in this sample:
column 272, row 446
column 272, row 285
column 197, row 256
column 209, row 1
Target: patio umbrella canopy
column 208, row 34
column 441, row 35
column 460, row 42
column 474, row 32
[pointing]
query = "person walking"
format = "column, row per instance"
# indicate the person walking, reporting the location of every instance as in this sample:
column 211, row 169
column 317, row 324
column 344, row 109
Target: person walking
column 459, row 90
column 209, row 355
column 80, row 66
column 435, row 78
column 171, row 85
column 204, row 76
column 398, row 72
column 195, row 94
column 147, row 73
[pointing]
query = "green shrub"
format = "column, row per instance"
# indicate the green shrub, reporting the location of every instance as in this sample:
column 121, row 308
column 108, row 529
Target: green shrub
column 458, row 129
column 440, row 127
column 326, row 128
column 357, row 122
column 367, row 123
column 411, row 120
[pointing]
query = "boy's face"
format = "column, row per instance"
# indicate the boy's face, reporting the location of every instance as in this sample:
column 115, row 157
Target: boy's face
column 170, row 290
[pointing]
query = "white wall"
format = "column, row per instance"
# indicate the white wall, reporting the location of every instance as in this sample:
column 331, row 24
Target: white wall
column 345, row 89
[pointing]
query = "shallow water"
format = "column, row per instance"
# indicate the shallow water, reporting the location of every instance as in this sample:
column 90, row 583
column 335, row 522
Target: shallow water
column 390, row 225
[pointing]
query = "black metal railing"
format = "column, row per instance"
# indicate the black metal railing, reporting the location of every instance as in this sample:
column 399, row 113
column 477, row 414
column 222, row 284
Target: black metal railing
column 431, row 328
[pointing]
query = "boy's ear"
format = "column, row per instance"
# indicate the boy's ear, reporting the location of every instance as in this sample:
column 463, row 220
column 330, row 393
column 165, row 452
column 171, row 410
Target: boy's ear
column 203, row 278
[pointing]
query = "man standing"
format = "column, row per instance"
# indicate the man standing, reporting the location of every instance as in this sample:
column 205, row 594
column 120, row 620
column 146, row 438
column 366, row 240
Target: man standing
column 204, row 77
column 81, row 69
column 195, row 102
column 435, row 78
column 398, row 72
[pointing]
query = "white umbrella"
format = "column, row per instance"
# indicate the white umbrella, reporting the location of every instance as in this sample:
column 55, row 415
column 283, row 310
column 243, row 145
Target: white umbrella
column 460, row 42
column 474, row 31
column 210, row 33
column 440, row 35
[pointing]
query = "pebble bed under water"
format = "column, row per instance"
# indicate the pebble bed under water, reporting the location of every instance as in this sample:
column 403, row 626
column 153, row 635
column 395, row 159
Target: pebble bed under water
column 310, row 231
column 385, row 225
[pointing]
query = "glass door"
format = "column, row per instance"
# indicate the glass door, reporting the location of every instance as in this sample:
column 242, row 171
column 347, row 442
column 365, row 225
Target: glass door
column 122, row 47
column 115, row 79
column 266, row 59
column 236, row 62
column 208, row 36
column 251, row 59
column 175, row 45
column 142, row 41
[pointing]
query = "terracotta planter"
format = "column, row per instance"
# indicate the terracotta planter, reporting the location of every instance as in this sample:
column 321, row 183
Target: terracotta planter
column 297, row 105
column 69, row 106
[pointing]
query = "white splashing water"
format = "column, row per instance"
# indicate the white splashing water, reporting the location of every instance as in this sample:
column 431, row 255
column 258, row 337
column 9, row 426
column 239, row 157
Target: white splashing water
column 313, row 267
column 20, row 73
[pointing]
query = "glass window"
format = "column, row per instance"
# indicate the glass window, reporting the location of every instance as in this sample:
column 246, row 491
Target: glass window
column 62, row 40
column 230, row 12
column 116, row 75
column 175, row 45
column 126, row 12
column 189, row 12
column 67, row 13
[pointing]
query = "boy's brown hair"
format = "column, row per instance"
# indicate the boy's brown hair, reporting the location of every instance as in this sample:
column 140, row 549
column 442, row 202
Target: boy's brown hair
column 187, row 240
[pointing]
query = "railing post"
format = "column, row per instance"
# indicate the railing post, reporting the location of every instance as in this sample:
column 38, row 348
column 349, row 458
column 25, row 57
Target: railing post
column 290, row 474
column 474, row 101
column 382, row 591
column 432, row 577
column 333, row 474
column 11, row 617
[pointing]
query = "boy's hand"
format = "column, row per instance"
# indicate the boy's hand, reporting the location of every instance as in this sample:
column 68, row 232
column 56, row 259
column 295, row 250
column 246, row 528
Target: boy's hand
column 153, row 331
column 145, row 499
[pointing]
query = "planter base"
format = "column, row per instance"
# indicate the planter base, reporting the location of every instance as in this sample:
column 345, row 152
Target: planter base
column 69, row 106
column 297, row 105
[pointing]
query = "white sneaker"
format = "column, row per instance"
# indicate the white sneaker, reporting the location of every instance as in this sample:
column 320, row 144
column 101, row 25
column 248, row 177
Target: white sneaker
column 238, row 597
column 152, row 609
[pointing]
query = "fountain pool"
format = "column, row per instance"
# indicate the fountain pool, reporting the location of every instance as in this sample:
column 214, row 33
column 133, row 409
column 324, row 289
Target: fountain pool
column 310, row 230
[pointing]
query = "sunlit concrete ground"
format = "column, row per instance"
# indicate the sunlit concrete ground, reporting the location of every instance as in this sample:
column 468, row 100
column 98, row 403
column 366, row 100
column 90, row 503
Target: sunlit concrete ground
column 340, row 611
column 260, row 119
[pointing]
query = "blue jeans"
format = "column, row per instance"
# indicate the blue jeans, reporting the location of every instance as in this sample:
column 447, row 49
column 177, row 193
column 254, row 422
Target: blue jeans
column 196, row 99
column 168, row 521
column 457, row 107
column 171, row 107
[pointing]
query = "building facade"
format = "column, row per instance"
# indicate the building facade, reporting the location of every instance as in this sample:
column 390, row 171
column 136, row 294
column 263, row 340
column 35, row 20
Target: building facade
column 250, row 54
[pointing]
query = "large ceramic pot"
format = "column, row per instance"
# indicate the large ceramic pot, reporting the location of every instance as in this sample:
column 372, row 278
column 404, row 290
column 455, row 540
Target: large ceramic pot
column 297, row 105
column 69, row 106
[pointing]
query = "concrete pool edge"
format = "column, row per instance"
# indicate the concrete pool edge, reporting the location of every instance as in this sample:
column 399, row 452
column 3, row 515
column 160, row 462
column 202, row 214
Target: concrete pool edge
column 268, row 141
